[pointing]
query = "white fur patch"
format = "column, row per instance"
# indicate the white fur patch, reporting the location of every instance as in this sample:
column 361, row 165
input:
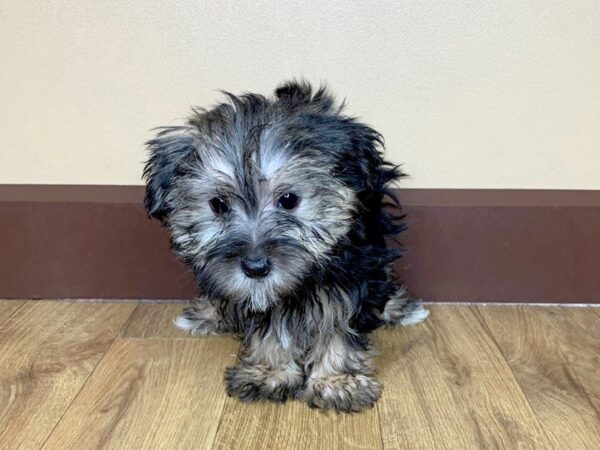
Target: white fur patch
column 219, row 165
column 415, row 317
column 184, row 323
column 402, row 309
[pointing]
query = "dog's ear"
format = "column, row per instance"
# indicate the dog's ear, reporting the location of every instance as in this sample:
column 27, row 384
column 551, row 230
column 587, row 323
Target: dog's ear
column 366, row 152
column 167, row 150
column 370, row 173
column 295, row 94
column 373, row 176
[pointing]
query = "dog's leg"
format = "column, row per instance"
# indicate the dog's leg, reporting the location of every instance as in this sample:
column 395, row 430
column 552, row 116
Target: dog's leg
column 266, row 371
column 201, row 317
column 402, row 309
column 341, row 376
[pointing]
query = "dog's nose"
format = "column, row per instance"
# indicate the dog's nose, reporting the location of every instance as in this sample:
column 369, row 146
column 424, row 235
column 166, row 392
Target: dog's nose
column 256, row 267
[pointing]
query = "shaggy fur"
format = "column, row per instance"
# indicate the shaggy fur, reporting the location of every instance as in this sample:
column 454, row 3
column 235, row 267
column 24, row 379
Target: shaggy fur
column 281, row 206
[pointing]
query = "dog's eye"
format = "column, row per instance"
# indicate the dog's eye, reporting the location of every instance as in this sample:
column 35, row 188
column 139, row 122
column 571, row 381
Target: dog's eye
column 218, row 205
column 288, row 201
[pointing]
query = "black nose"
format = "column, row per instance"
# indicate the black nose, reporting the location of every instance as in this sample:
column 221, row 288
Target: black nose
column 256, row 267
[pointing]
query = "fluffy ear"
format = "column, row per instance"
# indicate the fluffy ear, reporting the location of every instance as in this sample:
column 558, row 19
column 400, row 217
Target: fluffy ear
column 170, row 147
column 376, row 176
column 367, row 146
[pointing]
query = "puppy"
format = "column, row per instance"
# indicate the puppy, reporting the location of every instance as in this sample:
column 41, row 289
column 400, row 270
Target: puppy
column 281, row 206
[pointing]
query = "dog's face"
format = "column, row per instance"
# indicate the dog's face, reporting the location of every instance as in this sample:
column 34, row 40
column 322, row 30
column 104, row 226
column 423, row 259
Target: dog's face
column 253, row 221
column 256, row 192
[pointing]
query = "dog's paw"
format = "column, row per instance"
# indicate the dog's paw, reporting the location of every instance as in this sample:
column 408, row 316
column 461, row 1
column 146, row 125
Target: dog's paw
column 402, row 309
column 254, row 383
column 200, row 318
column 346, row 392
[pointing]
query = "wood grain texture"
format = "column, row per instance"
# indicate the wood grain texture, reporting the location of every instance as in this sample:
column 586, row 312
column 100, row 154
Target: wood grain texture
column 294, row 425
column 448, row 386
column 101, row 375
column 47, row 352
column 155, row 320
column 8, row 307
column 150, row 393
column 554, row 354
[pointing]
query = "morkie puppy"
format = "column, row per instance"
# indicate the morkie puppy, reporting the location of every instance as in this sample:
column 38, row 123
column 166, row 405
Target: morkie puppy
column 281, row 206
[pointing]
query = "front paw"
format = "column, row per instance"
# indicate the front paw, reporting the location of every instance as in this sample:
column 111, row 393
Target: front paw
column 345, row 392
column 253, row 383
column 200, row 318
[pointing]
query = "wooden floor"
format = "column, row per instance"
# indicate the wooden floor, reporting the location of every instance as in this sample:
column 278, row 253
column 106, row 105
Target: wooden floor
column 77, row 375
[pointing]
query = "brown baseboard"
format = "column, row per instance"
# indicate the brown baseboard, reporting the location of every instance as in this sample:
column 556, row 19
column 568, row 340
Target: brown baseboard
column 463, row 245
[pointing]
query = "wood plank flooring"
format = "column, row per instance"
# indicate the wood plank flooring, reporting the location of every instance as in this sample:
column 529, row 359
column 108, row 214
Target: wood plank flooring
column 119, row 375
column 47, row 352
column 555, row 358
column 447, row 385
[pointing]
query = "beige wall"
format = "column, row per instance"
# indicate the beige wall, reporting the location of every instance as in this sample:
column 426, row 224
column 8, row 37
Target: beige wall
column 500, row 94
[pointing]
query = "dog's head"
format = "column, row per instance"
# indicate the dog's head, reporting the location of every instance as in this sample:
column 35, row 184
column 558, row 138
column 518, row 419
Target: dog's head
column 257, row 192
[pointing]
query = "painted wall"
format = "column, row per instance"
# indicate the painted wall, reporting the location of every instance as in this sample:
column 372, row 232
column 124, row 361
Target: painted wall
column 498, row 94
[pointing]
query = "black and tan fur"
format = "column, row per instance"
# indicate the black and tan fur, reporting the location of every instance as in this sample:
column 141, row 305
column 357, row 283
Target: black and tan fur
column 282, row 206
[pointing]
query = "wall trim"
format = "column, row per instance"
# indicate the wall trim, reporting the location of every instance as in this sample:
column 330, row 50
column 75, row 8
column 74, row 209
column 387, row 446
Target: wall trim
column 463, row 245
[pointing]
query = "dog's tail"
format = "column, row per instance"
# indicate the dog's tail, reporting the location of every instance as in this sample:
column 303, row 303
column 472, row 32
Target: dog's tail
column 402, row 309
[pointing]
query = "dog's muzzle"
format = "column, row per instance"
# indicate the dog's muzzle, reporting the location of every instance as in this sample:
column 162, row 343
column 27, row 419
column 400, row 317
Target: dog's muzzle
column 256, row 267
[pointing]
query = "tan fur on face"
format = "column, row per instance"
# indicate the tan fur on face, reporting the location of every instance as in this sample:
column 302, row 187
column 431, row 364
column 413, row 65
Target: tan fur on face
column 321, row 218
